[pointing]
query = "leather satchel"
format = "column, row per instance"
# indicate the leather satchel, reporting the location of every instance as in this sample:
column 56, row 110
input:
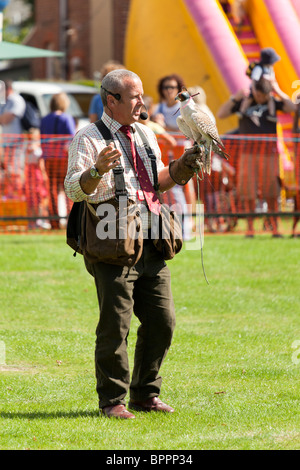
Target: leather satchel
column 113, row 233
column 108, row 232
column 168, row 238
column 123, row 243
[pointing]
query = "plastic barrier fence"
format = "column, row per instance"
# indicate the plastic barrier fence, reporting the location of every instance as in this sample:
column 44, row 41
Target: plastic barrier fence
column 32, row 172
column 261, row 177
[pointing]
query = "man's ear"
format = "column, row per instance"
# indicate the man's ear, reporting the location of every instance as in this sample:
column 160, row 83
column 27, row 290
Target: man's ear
column 111, row 101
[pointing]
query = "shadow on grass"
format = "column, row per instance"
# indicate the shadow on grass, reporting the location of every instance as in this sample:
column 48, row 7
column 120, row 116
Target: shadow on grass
column 49, row 415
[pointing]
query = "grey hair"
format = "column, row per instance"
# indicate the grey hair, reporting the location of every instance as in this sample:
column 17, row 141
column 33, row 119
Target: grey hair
column 114, row 82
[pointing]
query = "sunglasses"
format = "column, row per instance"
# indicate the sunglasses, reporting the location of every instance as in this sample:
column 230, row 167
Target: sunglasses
column 166, row 87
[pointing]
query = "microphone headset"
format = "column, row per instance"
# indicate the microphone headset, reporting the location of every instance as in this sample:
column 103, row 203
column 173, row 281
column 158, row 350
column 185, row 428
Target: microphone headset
column 117, row 96
column 144, row 115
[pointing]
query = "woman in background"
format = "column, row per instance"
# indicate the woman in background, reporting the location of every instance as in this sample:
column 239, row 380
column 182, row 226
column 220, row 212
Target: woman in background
column 166, row 111
column 55, row 150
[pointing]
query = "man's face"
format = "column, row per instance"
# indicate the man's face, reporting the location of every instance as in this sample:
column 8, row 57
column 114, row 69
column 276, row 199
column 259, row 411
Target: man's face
column 128, row 109
column 259, row 96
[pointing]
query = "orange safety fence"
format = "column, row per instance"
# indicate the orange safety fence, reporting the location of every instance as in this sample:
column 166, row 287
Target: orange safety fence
column 261, row 176
column 32, row 172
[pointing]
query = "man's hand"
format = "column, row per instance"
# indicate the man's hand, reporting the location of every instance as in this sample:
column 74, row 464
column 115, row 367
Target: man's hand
column 6, row 118
column 108, row 158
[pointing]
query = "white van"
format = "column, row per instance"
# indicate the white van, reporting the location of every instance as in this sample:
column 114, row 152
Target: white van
column 40, row 94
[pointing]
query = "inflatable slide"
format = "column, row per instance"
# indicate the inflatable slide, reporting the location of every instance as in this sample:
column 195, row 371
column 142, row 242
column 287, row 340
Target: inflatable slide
column 186, row 37
column 195, row 39
column 277, row 24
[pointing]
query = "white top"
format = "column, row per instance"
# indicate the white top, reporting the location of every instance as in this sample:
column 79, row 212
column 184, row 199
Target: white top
column 15, row 104
column 170, row 114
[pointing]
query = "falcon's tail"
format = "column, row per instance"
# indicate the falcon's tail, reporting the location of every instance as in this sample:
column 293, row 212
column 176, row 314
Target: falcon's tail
column 220, row 151
column 207, row 161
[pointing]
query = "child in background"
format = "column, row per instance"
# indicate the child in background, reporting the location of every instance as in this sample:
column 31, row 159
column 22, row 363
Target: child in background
column 36, row 181
column 263, row 68
column 155, row 126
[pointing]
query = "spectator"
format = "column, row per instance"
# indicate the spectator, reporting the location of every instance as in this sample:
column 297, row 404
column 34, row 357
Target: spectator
column 199, row 96
column 209, row 189
column 96, row 106
column 11, row 113
column 213, row 190
column 258, row 173
column 155, row 126
column 165, row 114
column 226, row 6
column 165, row 111
column 238, row 12
column 296, row 131
column 263, row 68
column 36, row 181
column 55, row 151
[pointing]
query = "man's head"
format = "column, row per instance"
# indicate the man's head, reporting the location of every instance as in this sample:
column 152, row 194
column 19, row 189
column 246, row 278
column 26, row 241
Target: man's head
column 8, row 84
column 59, row 102
column 261, row 90
column 122, row 96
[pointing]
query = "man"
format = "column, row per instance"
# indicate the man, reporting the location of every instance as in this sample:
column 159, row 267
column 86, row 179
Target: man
column 258, row 172
column 145, row 287
column 96, row 106
column 12, row 111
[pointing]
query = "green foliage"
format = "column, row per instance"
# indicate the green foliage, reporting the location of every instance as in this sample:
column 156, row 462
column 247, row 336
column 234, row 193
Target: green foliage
column 11, row 33
column 15, row 37
column 230, row 373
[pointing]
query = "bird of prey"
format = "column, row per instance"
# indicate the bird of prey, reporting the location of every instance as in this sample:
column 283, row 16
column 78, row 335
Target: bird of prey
column 196, row 125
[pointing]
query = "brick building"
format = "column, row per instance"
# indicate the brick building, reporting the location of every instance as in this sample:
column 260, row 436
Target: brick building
column 90, row 32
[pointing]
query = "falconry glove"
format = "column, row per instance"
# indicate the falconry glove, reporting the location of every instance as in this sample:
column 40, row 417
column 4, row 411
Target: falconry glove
column 183, row 169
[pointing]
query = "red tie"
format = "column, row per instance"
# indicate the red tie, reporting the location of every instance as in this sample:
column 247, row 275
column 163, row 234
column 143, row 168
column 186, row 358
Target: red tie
column 142, row 174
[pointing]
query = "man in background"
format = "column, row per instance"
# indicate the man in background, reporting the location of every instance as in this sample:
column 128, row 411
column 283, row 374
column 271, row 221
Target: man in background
column 96, row 106
column 258, row 171
column 12, row 111
column 12, row 155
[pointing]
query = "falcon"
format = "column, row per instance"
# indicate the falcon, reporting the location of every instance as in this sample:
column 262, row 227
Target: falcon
column 196, row 125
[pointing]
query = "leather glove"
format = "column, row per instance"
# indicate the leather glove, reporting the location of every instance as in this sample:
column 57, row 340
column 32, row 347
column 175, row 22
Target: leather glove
column 183, row 169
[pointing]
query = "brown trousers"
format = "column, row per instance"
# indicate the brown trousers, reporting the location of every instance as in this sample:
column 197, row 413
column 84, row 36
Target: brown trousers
column 144, row 289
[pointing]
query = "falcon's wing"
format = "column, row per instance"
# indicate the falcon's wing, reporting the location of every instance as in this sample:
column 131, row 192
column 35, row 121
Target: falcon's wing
column 184, row 128
column 206, row 125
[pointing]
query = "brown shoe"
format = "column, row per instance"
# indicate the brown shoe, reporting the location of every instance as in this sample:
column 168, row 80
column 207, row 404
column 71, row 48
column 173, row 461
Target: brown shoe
column 117, row 411
column 152, row 404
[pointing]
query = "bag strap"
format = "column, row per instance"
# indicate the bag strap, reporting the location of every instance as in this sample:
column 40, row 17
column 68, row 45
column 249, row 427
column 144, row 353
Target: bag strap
column 118, row 170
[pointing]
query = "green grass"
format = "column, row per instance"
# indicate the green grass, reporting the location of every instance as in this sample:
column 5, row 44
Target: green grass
column 230, row 374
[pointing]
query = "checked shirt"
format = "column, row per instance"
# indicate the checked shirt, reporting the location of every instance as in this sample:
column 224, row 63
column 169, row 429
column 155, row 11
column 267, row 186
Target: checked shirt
column 84, row 150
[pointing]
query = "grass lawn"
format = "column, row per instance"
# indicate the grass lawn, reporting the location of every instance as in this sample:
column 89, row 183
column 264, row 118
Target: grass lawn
column 232, row 373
